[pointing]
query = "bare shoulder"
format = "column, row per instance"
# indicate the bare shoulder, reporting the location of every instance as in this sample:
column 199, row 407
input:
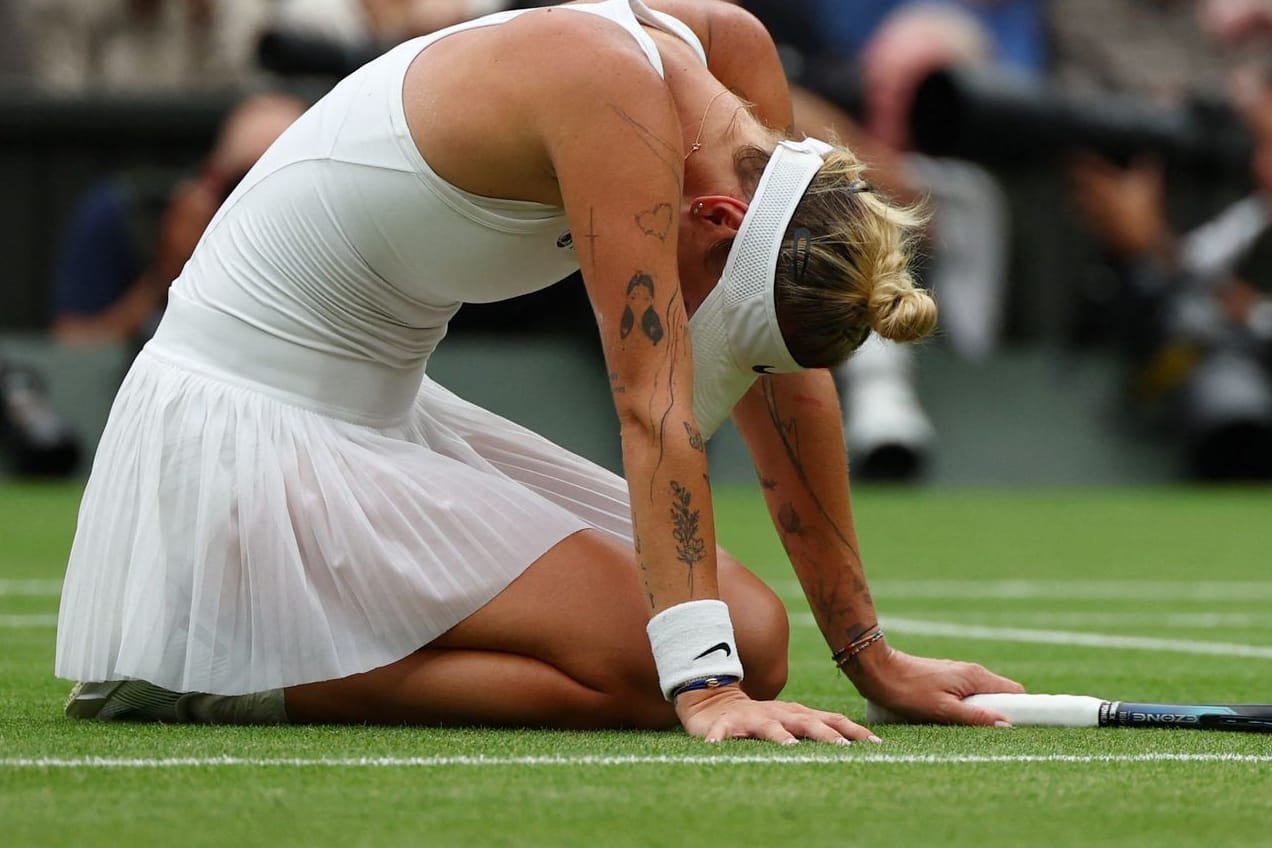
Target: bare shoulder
column 508, row 93
column 578, row 46
column 566, row 61
column 725, row 29
column 740, row 53
column 589, row 69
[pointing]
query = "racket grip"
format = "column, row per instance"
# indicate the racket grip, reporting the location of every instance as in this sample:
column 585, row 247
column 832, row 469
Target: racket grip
column 1025, row 710
column 1082, row 711
column 1042, row 710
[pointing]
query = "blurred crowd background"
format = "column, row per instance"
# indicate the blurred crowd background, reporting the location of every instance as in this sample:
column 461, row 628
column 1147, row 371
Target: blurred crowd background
column 1098, row 172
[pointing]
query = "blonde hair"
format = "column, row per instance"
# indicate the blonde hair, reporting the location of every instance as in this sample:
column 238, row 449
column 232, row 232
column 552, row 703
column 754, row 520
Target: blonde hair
column 844, row 266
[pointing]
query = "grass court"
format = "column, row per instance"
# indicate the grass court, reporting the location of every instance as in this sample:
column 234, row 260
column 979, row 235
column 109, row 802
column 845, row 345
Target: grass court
column 1137, row 595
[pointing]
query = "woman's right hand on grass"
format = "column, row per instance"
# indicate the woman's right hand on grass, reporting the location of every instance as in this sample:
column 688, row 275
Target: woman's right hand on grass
column 728, row 713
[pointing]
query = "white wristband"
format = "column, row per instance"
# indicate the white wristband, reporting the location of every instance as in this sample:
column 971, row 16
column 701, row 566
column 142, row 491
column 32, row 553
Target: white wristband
column 693, row 641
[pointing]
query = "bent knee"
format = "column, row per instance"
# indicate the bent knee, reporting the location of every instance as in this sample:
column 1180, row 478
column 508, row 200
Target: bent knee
column 766, row 677
column 621, row 708
column 763, row 632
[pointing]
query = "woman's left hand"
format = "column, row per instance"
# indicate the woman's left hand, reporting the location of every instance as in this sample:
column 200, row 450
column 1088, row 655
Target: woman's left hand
column 928, row 690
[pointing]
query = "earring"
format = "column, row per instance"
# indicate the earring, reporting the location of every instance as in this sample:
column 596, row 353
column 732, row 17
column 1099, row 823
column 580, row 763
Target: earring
column 697, row 210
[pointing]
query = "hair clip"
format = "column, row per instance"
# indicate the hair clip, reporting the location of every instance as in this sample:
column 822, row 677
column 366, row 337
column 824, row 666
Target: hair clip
column 859, row 186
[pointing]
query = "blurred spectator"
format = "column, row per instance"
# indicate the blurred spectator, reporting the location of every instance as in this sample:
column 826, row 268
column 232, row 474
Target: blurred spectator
column 858, row 69
column 799, row 28
column 1195, row 310
column 397, row 20
column 1015, row 28
column 352, row 23
column 132, row 233
column 333, row 37
column 142, row 45
column 34, row 440
column 886, row 429
column 1237, row 21
column 13, row 48
column 1146, row 47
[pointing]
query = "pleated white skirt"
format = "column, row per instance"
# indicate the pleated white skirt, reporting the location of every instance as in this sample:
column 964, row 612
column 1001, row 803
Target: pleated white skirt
column 230, row 541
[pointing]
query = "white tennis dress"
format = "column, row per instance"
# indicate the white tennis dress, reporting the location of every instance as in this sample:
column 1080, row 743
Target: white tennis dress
column 281, row 495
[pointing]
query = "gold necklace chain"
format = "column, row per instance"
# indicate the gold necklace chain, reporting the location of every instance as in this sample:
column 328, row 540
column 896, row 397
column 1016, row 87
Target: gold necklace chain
column 702, row 125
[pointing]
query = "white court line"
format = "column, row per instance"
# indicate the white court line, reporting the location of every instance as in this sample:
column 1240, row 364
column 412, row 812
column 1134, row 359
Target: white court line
column 31, row 588
column 1091, row 590
column 1062, row 637
column 924, row 627
column 1190, row 620
column 30, row 621
column 632, row 760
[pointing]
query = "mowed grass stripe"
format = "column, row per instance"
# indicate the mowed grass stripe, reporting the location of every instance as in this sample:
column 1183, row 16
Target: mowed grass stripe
column 1051, row 590
column 926, row 627
column 923, row 627
column 31, row 588
column 624, row 760
column 30, row 621
column 1191, row 621
column 1119, row 618
column 1113, row 590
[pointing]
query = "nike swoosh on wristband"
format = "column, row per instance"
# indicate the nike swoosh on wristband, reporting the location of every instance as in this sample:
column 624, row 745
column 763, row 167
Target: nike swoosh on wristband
column 719, row 646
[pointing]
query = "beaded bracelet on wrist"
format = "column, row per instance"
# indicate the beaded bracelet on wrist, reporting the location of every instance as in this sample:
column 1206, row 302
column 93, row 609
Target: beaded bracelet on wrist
column 713, row 682
column 844, row 654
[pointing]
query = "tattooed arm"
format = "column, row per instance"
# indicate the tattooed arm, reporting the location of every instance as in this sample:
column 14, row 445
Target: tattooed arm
column 615, row 148
column 792, row 426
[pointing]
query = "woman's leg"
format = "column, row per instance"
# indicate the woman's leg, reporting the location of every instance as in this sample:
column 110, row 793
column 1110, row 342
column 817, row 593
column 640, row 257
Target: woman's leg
column 563, row 646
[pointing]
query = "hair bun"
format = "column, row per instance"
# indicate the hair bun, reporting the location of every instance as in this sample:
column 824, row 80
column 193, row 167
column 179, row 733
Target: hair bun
column 900, row 312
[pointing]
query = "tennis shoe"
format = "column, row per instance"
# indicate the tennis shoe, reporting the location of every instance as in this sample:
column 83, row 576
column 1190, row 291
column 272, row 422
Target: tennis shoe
column 137, row 700
column 123, row 700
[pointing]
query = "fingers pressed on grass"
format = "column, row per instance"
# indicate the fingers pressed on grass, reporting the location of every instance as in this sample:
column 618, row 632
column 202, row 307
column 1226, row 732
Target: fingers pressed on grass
column 770, row 730
column 814, row 728
column 776, row 731
column 849, row 729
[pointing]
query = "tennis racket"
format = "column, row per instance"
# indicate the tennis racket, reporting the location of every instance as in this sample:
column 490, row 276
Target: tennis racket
column 1249, row 718
column 1085, row 711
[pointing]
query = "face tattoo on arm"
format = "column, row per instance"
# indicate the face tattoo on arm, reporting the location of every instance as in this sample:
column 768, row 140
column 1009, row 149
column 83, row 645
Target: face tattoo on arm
column 640, row 298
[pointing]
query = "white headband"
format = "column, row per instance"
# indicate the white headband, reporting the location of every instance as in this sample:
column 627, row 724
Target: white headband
column 734, row 332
